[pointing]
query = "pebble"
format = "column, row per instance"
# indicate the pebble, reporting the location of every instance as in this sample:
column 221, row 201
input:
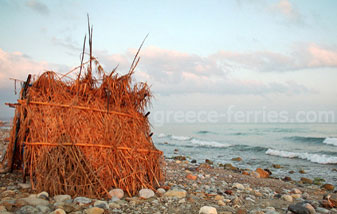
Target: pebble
column 24, row 186
column 237, row 159
column 58, row 211
column 43, row 195
column 28, row 210
column 238, row 186
column 178, row 193
column 43, row 209
column 34, row 201
column 61, row 198
column 296, row 191
column 119, row 193
column 101, row 204
column 302, row 208
column 322, row 210
column 207, row 210
column 146, row 193
column 114, row 205
column 296, row 196
column 161, row 191
column 255, row 174
column 191, row 177
column 263, row 173
column 287, row 198
column 306, row 180
column 82, row 200
column 328, row 187
column 94, row 210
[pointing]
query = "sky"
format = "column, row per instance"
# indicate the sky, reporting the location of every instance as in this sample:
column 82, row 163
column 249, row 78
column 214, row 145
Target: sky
column 199, row 56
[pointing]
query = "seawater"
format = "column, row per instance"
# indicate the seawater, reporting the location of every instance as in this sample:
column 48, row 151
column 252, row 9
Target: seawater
column 311, row 147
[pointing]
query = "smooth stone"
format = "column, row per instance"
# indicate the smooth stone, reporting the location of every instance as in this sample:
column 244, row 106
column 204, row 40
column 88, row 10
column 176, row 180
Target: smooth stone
column 43, row 195
column 114, row 205
column 94, row 210
column 322, row 210
column 161, row 191
column 24, row 186
column 119, row 193
column 178, row 193
column 58, row 211
column 287, row 198
column 237, row 159
column 306, row 180
column 255, row 174
column 238, row 186
column 28, row 210
column 263, row 173
column 302, row 208
column 34, row 201
column 296, row 196
column 114, row 199
column 328, row 187
column 296, row 191
column 61, row 198
column 82, row 200
column 101, row 204
column 207, row 210
column 277, row 166
column 146, row 193
column 43, row 209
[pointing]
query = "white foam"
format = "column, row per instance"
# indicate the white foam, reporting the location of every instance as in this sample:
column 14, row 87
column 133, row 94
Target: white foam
column 209, row 143
column 330, row 141
column 162, row 135
column 315, row 158
column 180, row 138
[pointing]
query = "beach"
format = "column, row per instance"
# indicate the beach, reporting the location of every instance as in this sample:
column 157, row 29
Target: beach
column 187, row 189
column 191, row 186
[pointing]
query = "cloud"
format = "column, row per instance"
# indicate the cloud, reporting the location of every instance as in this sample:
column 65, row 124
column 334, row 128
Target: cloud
column 38, row 7
column 305, row 56
column 17, row 65
column 288, row 10
column 173, row 72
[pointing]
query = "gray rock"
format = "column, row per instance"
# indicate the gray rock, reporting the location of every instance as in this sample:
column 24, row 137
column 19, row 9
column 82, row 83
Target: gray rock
column 82, row 200
column 34, row 201
column 101, row 204
column 302, row 208
column 114, row 205
column 43, row 195
column 28, row 210
column 238, row 186
column 24, row 186
column 43, row 209
column 61, row 198
column 322, row 210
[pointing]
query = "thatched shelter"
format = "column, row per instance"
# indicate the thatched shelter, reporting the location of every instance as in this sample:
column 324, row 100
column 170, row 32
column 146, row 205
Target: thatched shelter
column 87, row 135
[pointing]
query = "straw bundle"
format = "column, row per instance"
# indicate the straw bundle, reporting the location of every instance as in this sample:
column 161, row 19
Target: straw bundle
column 85, row 136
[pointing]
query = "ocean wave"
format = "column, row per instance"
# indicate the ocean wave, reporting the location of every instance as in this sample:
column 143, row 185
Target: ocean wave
column 315, row 158
column 250, row 148
column 180, row 138
column 330, row 141
column 162, row 135
column 205, row 132
column 306, row 139
column 203, row 143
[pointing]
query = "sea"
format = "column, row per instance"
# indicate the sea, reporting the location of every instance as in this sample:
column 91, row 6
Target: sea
column 308, row 147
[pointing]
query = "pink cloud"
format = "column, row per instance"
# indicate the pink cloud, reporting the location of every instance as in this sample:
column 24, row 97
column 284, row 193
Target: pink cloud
column 17, row 65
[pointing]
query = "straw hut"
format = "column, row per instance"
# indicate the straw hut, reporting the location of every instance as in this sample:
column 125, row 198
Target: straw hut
column 87, row 135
